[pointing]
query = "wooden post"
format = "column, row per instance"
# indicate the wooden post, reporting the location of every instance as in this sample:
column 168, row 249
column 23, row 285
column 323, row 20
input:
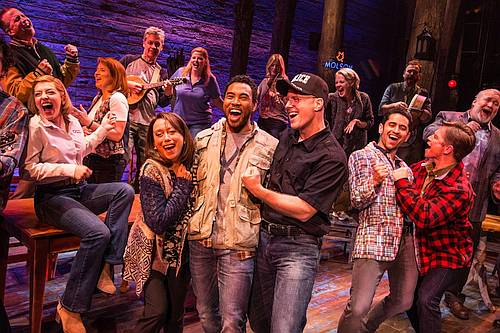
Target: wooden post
column 332, row 33
column 282, row 28
column 447, row 55
column 241, row 39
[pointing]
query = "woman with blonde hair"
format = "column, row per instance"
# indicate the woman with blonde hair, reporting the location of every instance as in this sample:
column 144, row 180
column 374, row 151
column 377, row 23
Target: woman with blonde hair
column 110, row 158
column 195, row 98
column 272, row 114
column 349, row 111
column 56, row 148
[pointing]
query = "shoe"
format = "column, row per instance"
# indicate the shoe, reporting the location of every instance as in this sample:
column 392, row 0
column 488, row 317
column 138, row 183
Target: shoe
column 105, row 283
column 71, row 321
column 458, row 309
column 124, row 287
column 496, row 323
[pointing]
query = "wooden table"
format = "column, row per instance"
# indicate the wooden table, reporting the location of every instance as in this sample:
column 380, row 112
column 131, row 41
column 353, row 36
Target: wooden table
column 42, row 240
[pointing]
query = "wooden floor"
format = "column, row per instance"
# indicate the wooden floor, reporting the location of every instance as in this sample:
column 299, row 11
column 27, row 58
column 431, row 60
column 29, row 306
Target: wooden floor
column 331, row 291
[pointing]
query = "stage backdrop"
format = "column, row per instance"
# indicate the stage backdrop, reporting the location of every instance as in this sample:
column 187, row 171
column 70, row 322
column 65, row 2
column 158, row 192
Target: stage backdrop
column 112, row 28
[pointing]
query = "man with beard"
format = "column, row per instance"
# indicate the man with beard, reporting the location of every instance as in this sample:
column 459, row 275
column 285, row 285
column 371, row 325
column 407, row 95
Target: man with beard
column 31, row 58
column 307, row 174
column 13, row 135
column 384, row 240
column 438, row 202
column 147, row 68
column 483, row 168
column 224, row 229
column 398, row 96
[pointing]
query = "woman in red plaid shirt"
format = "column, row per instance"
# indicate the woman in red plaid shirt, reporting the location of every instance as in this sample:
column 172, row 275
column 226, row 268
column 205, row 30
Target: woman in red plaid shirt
column 438, row 202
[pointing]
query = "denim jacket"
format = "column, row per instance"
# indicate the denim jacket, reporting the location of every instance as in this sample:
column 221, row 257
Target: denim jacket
column 241, row 207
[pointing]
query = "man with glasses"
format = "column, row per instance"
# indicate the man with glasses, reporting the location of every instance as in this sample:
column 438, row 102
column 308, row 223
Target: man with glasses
column 31, row 58
column 307, row 173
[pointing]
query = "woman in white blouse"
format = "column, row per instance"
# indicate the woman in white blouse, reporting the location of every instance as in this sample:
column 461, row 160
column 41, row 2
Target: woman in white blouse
column 109, row 159
column 56, row 148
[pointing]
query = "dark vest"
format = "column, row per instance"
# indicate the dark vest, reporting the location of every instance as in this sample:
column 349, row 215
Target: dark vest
column 26, row 58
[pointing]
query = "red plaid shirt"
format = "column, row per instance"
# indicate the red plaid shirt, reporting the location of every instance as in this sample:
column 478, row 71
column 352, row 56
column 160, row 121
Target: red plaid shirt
column 443, row 231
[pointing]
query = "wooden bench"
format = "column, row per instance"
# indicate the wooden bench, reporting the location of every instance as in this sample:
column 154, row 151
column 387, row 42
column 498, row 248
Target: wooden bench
column 42, row 241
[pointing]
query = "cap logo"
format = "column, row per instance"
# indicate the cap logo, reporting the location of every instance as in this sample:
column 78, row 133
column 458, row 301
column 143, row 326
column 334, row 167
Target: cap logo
column 303, row 78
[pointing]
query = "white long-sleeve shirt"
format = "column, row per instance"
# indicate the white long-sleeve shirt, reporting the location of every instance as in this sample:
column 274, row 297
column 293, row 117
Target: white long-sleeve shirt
column 53, row 153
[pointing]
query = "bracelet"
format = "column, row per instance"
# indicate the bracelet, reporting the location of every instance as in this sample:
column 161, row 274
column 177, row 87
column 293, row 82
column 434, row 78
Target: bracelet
column 91, row 122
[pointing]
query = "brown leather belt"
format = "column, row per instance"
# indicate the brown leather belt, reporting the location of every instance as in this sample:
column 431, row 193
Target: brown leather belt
column 280, row 229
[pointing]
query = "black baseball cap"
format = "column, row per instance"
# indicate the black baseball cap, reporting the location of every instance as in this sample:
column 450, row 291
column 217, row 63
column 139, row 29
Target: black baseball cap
column 306, row 84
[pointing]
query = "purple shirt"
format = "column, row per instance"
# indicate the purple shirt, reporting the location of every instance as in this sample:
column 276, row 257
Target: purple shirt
column 193, row 100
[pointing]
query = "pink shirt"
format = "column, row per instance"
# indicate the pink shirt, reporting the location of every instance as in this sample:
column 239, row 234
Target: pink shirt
column 53, row 153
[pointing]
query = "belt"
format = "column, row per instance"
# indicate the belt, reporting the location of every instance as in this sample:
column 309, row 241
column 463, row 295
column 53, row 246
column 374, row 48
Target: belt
column 58, row 185
column 280, row 229
column 407, row 228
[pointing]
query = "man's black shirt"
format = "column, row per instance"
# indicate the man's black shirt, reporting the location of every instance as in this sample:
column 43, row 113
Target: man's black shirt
column 314, row 170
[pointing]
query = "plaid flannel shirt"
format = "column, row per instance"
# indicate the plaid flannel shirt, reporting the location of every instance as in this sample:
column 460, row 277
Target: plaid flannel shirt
column 13, row 119
column 440, row 214
column 380, row 219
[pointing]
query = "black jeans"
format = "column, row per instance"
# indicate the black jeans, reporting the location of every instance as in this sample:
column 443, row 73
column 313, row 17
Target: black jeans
column 425, row 314
column 454, row 293
column 164, row 301
column 105, row 170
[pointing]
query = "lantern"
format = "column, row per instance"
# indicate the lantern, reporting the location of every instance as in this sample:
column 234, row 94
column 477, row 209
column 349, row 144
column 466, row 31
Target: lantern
column 425, row 46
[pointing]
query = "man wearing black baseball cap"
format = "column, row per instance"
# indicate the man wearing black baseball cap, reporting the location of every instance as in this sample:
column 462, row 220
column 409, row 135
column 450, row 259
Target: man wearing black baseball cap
column 307, row 173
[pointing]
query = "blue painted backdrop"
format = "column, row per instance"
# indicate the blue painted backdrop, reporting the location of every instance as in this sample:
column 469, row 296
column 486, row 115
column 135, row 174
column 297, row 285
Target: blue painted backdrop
column 114, row 28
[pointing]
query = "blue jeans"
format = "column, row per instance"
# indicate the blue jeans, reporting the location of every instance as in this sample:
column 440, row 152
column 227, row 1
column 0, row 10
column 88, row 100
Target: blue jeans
column 222, row 284
column 425, row 314
column 359, row 314
column 74, row 209
column 283, row 282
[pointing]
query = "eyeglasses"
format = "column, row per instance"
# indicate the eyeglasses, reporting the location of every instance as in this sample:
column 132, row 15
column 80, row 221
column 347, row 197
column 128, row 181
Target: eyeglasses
column 295, row 99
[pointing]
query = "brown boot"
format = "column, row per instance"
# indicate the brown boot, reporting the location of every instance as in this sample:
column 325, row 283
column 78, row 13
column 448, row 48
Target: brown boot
column 105, row 283
column 71, row 321
column 458, row 309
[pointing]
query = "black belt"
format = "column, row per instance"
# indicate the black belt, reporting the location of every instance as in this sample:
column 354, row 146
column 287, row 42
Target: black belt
column 280, row 229
column 407, row 228
column 58, row 185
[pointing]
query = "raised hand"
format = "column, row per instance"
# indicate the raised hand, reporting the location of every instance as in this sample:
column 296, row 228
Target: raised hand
column 109, row 121
column 400, row 173
column 350, row 127
column 135, row 87
column 380, row 172
column 474, row 125
column 45, row 67
column 71, row 50
column 182, row 172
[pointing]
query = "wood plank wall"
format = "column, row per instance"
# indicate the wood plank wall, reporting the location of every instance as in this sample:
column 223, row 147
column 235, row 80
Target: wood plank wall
column 113, row 28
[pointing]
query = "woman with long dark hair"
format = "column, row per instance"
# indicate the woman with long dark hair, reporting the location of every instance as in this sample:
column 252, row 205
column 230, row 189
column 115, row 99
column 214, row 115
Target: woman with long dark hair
column 165, row 186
